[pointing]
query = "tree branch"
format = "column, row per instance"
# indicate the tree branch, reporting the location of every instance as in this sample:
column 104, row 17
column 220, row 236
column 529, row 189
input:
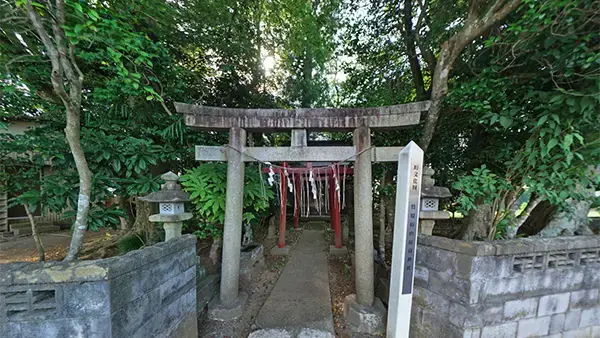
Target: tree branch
column 450, row 51
column 413, row 60
column 426, row 52
column 57, row 73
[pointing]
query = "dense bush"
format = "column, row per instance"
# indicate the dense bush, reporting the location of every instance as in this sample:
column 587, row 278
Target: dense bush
column 206, row 185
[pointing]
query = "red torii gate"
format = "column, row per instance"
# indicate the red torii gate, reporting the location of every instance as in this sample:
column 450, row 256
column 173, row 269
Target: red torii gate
column 328, row 173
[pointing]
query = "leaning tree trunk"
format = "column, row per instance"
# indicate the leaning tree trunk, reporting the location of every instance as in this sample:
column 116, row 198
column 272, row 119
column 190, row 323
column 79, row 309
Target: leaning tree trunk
column 513, row 229
column 476, row 24
column 73, row 133
column 439, row 88
column 36, row 238
column 538, row 219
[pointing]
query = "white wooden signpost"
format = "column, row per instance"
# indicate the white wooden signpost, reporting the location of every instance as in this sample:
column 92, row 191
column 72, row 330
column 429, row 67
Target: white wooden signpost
column 408, row 194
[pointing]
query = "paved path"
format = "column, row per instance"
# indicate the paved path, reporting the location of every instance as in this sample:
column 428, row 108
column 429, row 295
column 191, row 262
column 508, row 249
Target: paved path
column 300, row 303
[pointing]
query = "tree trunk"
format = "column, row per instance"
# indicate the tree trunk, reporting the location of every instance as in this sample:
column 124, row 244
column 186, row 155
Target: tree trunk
column 142, row 225
column 390, row 203
column 66, row 72
column 73, row 131
column 124, row 205
column 538, row 219
column 415, row 66
column 215, row 251
column 306, row 100
column 513, row 229
column 439, row 88
column 475, row 25
column 479, row 222
column 569, row 222
column 382, row 220
column 36, row 238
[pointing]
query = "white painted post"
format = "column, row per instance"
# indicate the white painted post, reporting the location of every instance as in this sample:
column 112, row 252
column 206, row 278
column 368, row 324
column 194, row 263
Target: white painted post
column 408, row 194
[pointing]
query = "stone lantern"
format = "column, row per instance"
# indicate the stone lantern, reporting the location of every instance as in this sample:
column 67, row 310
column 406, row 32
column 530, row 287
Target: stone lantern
column 170, row 201
column 430, row 202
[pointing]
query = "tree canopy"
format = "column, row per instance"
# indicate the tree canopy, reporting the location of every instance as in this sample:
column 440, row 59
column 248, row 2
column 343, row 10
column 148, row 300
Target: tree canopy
column 514, row 84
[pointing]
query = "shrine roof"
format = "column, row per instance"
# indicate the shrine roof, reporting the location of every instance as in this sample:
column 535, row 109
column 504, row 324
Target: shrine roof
column 387, row 117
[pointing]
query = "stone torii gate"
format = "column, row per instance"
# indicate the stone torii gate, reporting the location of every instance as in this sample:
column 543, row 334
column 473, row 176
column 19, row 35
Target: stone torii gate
column 359, row 308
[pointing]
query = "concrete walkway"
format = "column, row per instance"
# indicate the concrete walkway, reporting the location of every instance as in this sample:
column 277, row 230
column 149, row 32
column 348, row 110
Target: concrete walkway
column 300, row 303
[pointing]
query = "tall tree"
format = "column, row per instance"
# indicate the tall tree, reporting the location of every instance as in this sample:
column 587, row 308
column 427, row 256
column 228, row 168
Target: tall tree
column 301, row 34
column 67, row 82
column 55, row 34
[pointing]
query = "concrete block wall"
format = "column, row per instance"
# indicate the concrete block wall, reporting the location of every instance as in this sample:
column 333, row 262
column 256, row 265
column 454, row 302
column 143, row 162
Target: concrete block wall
column 145, row 293
column 529, row 287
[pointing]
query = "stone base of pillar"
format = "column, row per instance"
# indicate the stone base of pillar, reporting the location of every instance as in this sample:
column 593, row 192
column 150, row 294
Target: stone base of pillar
column 346, row 229
column 272, row 229
column 277, row 251
column 338, row 251
column 227, row 312
column 365, row 319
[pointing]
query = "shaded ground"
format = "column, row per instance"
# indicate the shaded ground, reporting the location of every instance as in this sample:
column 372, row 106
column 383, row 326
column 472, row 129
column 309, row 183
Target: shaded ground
column 340, row 285
column 261, row 288
column 56, row 244
column 301, row 298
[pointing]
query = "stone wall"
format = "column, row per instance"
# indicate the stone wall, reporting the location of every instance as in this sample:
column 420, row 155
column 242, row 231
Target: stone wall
column 145, row 293
column 530, row 287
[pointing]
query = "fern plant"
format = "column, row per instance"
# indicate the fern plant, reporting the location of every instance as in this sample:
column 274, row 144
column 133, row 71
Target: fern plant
column 207, row 184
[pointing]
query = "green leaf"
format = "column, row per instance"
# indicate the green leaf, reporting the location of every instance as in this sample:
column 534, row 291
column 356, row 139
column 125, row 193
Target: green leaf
column 542, row 120
column 551, row 144
column 568, row 140
column 93, row 15
column 505, row 122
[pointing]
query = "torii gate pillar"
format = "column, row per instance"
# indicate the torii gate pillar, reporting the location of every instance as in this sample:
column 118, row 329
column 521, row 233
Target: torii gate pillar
column 231, row 302
column 363, row 217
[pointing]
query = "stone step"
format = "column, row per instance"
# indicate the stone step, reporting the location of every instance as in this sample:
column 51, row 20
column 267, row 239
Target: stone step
column 287, row 333
column 6, row 234
column 27, row 225
column 40, row 229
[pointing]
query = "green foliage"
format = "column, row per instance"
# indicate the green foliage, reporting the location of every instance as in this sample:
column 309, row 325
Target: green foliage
column 207, row 184
column 303, row 33
column 539, row 123
column 482, row 185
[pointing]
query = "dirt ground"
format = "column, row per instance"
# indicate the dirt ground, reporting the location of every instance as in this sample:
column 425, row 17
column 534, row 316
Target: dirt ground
column 56, row 244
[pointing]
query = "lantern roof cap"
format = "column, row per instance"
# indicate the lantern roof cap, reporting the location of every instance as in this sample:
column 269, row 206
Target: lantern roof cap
column 170, row 176
column 170, row 191
column 435, row 192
